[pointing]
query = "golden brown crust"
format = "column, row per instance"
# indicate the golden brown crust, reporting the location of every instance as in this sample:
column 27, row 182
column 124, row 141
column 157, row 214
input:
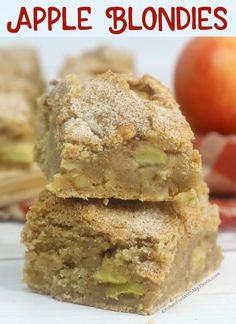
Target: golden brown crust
column 107, row 111
column 100, row 60
column 130, row 220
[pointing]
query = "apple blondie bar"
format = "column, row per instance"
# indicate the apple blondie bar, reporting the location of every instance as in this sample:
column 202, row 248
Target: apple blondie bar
column 16, row 131
column 21, row 62
column 11, row 84
column 115, row 136
column 99, row 61
column 127, row 256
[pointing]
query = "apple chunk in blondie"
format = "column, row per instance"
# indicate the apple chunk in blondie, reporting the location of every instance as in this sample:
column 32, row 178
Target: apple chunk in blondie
column 127, row 256
column 16, row 131
column 115, row 136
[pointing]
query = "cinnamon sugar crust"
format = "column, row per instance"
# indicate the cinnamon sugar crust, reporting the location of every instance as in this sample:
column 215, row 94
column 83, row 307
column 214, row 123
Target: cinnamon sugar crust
column 108, row 110
column 131, row 220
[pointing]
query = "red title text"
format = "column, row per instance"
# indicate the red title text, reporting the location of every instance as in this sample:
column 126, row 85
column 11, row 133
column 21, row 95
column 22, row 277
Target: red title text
column 120, row 19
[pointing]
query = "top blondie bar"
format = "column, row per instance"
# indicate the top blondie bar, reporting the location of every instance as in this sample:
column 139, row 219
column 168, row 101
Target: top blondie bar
column 115, row 136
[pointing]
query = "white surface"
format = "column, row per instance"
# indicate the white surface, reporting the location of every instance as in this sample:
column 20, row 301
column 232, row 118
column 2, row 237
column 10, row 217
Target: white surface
column 214, row 303
column 10, row 246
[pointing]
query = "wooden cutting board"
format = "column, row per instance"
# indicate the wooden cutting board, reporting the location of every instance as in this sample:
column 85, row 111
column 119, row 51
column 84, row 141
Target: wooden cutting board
column 20, row 185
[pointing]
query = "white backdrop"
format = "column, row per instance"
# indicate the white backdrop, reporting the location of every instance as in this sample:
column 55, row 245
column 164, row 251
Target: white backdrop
column 156, row 56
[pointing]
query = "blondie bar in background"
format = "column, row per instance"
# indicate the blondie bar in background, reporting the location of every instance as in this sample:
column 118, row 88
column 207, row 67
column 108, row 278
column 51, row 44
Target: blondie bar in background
column 16, row 131
column 102, row 59
column 20, row 84
column 22, row 62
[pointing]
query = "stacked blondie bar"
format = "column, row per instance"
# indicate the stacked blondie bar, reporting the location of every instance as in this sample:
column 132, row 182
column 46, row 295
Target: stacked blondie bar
column 125, row 223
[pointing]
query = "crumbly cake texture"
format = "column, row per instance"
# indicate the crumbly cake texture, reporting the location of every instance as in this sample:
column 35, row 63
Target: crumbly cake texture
column 127, row 256
column 21, row 62
column 115, row 136
column 99, row 61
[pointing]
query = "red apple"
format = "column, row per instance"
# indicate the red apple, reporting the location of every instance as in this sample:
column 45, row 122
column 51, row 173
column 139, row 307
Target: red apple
column 205, row 84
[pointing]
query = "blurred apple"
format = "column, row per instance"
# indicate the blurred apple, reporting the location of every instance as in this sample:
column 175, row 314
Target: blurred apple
column 205, row 84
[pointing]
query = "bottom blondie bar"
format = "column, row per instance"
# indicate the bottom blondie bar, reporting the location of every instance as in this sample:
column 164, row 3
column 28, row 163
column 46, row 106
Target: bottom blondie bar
column 126, row 256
